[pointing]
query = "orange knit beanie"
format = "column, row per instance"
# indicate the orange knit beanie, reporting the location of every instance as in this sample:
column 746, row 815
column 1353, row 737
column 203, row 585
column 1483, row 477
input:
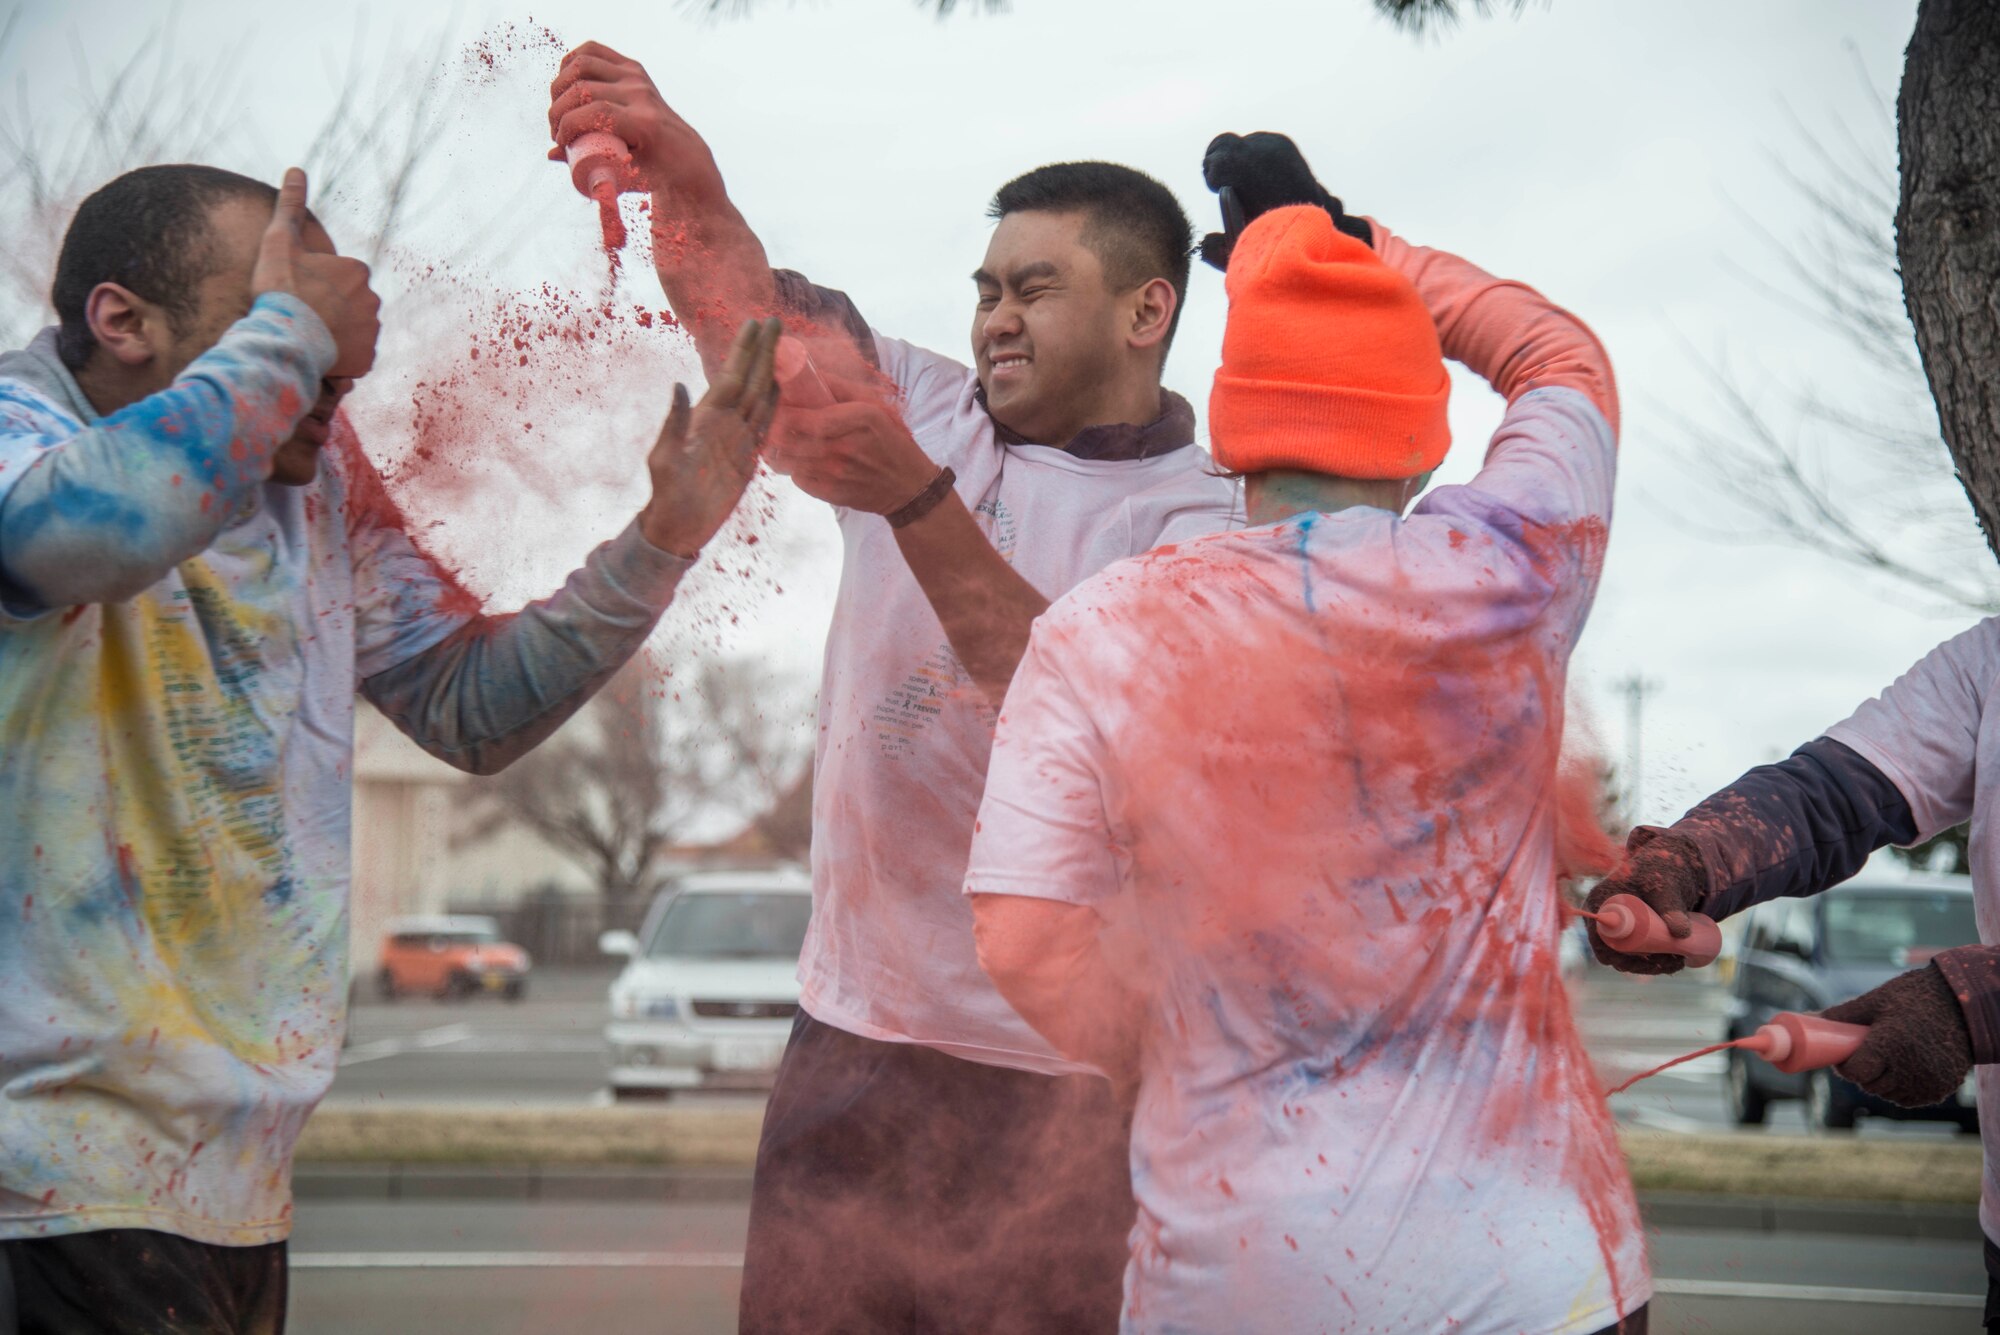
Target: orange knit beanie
column 1330, row 362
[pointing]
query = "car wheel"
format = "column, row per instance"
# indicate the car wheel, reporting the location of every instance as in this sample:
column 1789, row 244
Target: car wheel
column 516, row 990
column 457, row 987
column 1828, row 1106
column 627, row 1094
column 1747, row 1103
column 385, row 985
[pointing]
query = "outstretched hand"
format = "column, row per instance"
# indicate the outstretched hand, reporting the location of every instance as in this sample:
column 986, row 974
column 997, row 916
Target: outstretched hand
column 1667, row 873
column 335, row 286
column 1260, row 172
column 707, row 452
column 1919, row 1046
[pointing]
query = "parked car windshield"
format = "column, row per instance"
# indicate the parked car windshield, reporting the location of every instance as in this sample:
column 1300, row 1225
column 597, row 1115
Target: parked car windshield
column 1882, row 929
column 745, row 925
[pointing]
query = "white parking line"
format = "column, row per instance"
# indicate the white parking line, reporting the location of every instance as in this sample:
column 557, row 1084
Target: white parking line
column 1660, row 1120
column 516, row 1260
column 1813, row 1293
column 396, row 1047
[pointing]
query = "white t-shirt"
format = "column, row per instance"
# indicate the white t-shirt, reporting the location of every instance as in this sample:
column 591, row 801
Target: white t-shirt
column 1933, row 735
column 904, row 732
column 1307, row 773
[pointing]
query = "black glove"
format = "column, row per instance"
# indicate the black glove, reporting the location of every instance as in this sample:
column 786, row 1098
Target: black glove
column 1918, row 1047
column 1664, row 870
column 1255, row 174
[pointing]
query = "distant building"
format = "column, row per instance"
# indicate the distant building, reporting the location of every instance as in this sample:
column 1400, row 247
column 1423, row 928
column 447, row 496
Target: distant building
column 414, row 851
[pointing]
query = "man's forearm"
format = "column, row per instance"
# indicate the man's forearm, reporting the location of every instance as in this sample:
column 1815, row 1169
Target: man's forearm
column 1044, row 957
column 713, row 269
column 485, row 696
column 985, row 606
column 1794, row 828
column 109, row 511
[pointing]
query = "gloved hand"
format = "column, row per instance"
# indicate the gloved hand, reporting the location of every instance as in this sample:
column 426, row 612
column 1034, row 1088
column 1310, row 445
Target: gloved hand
column 1665, row 870
column 1257, row 173
column 1918, row 1047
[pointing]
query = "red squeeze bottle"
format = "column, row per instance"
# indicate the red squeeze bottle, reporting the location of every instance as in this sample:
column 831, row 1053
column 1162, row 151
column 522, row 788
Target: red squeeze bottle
column 596, row 158
column 1793, row 1042
column 1627, row 923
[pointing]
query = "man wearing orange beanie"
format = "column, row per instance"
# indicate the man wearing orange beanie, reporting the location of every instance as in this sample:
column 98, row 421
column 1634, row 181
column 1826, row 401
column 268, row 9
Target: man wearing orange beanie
column 1269, row 829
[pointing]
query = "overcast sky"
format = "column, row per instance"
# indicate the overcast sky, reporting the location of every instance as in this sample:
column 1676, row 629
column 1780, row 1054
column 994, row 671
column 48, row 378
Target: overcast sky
column 1607, row 151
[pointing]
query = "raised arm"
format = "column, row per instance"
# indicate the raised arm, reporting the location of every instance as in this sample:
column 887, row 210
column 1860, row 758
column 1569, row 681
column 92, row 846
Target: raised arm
column 495, row 687
column 1514, row 337
column 105, row 513
column 710, row 263
column 1506, row 331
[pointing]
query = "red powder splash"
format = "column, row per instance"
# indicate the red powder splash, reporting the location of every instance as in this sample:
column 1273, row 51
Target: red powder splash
column 1668, row 1065
column 505, row 45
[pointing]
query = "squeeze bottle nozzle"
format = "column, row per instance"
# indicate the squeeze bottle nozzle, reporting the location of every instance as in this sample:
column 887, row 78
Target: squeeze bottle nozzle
column 798, row 379
column 1628, row 924
column 597, row 160
column 1794, row 1043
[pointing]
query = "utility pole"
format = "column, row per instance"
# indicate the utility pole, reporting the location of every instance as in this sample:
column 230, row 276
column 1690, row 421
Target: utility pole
column 1636, row 689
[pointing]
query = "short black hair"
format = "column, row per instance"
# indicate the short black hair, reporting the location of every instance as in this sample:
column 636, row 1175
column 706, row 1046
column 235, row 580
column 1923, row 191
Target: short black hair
column 147, row 231
column 1134, row 224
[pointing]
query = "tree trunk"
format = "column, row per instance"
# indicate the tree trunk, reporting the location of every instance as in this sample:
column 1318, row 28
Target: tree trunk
column 1948, row 231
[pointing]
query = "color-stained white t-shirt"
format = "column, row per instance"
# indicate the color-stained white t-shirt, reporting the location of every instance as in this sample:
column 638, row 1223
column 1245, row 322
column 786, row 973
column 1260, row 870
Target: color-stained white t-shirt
column 175, row 773
column 904, row 732
column 1307, row 772
column 1933, row 735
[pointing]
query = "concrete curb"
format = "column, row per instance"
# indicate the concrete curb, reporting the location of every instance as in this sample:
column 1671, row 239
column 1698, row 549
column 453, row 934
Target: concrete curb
column 530, row 1182
column 1781, row 1214
column 566, row 1182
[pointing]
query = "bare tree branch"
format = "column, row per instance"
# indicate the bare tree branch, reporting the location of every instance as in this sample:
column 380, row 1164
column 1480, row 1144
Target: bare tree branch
column 1432, row 17
column 368, row 157
column 1849, row 465
column 644, row 763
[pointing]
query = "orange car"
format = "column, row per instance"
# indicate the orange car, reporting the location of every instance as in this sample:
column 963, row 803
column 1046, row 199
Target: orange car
column 449, row 957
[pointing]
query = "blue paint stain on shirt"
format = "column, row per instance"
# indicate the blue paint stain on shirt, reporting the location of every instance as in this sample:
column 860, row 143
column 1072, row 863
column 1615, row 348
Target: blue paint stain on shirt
column 1306, row 523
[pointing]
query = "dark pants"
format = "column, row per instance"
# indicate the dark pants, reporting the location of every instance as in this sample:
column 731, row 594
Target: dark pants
column 1634, row 1324
column 1992, row 1321
column 902, row 1190
column 133, row 1281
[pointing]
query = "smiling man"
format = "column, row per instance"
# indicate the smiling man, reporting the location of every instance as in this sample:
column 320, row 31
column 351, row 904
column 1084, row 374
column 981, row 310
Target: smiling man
column 197, row 570
column 929, row 1161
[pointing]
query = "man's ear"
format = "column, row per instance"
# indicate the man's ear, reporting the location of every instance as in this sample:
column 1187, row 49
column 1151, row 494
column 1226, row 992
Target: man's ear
column 130, row 329
column 1153, row 307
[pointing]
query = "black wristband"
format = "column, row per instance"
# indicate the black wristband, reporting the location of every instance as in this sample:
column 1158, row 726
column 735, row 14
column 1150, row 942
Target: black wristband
column 924, row 501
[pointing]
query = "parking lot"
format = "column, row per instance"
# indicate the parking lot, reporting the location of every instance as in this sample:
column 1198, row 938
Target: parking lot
column 548, row 1050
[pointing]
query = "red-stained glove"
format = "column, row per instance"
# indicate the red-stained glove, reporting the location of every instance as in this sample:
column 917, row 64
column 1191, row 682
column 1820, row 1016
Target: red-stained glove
column 1918, row 1048
column 1666, row 871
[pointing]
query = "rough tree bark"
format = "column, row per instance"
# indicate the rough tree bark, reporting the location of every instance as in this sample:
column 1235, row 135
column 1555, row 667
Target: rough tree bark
column 1948, row 231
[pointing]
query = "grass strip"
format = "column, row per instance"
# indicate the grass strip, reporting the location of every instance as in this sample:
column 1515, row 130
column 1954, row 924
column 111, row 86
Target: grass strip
column 1918, row 1170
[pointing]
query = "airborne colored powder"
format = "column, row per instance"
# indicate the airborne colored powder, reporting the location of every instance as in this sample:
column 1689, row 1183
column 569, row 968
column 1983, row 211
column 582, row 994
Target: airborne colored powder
column 612, row 224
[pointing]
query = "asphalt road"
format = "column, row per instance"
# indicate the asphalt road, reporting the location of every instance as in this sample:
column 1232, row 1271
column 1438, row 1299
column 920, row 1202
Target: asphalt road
column 513, row 1267
column 548, row 1050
